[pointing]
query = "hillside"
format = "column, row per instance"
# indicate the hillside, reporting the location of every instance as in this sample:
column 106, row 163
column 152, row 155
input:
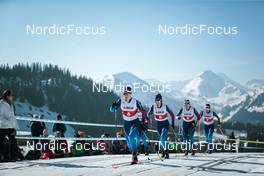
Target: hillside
column 59, row 91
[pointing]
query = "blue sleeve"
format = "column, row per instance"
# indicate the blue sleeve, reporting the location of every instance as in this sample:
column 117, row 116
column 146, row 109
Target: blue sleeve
column 197, row 114
column 180, row 112
column 139, row 106
column 214, row 114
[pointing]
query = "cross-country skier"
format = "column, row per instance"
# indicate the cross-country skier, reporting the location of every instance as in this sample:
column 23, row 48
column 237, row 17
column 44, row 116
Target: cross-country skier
column 143, row 133
column 188, row 114
column 129, row 107
column 208, row 117
column 161, row 112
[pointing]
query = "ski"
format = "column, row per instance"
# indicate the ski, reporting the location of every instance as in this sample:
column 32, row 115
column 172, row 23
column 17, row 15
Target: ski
column 160, row 157
column 128, row 163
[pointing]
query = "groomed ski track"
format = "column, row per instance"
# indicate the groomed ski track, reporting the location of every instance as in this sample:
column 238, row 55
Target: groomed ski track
column 201, row 164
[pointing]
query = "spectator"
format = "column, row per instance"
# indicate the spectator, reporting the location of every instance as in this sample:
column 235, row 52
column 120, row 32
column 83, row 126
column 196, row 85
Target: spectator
column 37, row 127
column 8, row 127
column 59, row 130
column 59, row 127
column 119, row 146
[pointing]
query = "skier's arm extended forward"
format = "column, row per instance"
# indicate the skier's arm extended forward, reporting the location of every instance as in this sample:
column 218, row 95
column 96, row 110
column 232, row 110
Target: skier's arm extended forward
column 179, row 114
column 115, row 105
column 218, row 118
column 142, row 110
column 197, row 114
column 150, row 112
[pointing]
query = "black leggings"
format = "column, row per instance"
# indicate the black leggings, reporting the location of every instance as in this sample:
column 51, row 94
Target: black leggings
column 8, row 152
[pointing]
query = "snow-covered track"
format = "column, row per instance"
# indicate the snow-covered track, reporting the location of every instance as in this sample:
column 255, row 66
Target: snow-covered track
column 201, row 164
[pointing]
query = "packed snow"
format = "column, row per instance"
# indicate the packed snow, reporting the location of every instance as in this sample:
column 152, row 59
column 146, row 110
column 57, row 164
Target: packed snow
column 201, row 164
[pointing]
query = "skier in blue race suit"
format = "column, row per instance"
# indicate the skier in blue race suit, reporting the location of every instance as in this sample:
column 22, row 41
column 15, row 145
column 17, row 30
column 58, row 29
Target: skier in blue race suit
column 208, row 119
column 188, row 114
column 143, row 134
column 161, row 112
column 130, row 107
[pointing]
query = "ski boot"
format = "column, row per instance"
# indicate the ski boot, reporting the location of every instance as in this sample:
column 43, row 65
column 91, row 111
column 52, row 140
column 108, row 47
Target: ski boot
column 193, row 152
column 209, row 151
column 134, row 159
column 167, row 156
column 146, row 152
column 186, row 152
column 163, row 154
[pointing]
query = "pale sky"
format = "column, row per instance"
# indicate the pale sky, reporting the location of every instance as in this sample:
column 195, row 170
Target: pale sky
column 132, row 42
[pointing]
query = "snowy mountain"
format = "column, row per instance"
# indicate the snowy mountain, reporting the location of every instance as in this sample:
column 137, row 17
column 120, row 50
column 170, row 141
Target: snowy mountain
column 251, row 109
column 227, row 96
column 210, row 85
column 141, row 90
column 215, row 88
column 206, row 84
column 255, row 83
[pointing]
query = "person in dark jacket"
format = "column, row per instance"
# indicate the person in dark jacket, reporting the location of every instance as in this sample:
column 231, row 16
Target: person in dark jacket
column 59, row 130
column 37, row 127
column 59, row 127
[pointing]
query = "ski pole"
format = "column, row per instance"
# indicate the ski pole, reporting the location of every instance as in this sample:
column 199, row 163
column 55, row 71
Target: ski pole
column 115, row 121
column 221, row 131
column 174, row 135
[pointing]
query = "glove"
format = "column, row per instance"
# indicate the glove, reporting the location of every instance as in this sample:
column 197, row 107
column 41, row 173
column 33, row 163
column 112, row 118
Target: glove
column 144, row 127
column 172, row 126
column 178, row 117
column 112, row 109
column 114, row 104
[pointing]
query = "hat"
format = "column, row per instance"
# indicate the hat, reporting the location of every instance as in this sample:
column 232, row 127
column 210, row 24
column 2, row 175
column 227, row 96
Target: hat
column 207, row 105
column 59, row 117
column 186, row 101
column 128, row 89
column 158, row 97
column 7, row 93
